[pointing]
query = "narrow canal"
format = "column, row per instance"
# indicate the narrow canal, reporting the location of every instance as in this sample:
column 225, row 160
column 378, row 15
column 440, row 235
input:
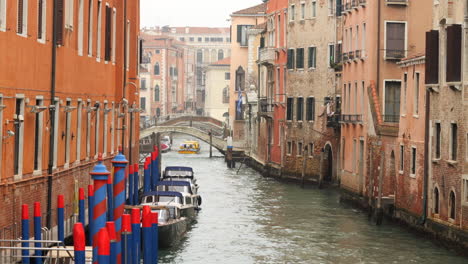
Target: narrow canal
column 247, row 218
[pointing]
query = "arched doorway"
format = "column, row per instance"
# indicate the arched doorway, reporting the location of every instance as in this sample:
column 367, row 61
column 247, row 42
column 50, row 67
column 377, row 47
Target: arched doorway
column 327, row 163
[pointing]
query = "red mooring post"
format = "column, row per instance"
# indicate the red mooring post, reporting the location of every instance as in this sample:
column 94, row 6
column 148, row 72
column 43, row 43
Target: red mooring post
column 79, row 243
column 136, row 235
column 37, row 232
column 147, row 235
column 61, row 218
column 119, row 163
column 81, row 206
column 103, row 247
column 25, row 233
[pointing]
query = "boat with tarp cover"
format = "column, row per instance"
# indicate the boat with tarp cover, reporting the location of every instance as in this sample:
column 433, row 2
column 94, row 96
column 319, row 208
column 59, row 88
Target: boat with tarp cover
column 183, row 187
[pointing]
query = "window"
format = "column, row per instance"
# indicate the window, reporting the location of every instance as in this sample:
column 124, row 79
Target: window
column 302, row 11
column 465, row 189
column 395, row 40
column 156, row 93
column 199, row 56
column 453, row 141
column 226, row 95
column 156, row 68
column 97, row 135
column 3, row 15
column 200, row 39
column 78, row 129
column 207, row 39
column 108, row 35
column 331, row 55
column 357, row 38
column 290, row 62
column 355, row 97
column 354, row 154
column 80, row 26
column 22, row 28
column 300, row 109
column 240, row 79
column 191, row 39
column 454, row 53
column 312, row 58
column 41, row 19
column 402, row 158
column 432, row 57
column 90, row 27
column 227, row 76
column 405, row 88
column 143, row 84
column 310, row 115
column 56, row 129
column 300, row 148
column 127, row 44
column 239, row 109
column 413, row 161
column 452, row 205
column 242, row 38
column 314, row 8
column 88, row 129
column 157, row 51
column 392, row 101
column 289, row 109
column 437, row 135
column 343, row 152
column 300, row 58
column 363, row 95
column 436, row 200
column 289, row 148
column 69, row 6
column 38, row 127
column 182, row 39
column 331, row 10
column 143, row 103
column 18, row 121
column 99, row 31
column 363, row 37
column 292, row 13
column 416, row 94
column 311, row 149
column 104, row 129
column 67, row 133
column 220, row 54
column 60, row 18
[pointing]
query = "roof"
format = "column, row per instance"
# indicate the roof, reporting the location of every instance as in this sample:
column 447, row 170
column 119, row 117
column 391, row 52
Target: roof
column 173, row 183
column 254, row 10
column 178, row 168
column 159, row 193
column 262, row 26
column 201, row 30
column 223, row 62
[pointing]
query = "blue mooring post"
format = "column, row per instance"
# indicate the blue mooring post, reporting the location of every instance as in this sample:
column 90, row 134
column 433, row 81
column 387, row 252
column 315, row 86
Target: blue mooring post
column 25, row 233
column 113, row 242
column 37, row 232
column 136, row 235
column 147, row 235
column 81, row 206
column 119, row 163
column 110, row 199
column 136, row 184
column 130, row 184
column 90, row 213
column 61, row 218
column 126, row 239
column 79, row 243
column 155, row 236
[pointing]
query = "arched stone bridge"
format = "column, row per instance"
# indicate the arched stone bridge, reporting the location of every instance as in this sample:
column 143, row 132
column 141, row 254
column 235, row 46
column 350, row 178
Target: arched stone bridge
column 217, row 142
column 199, row 119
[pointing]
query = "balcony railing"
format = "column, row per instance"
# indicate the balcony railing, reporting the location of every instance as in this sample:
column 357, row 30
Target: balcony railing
column 266, row 105
column 354, row 3
column 348, row 7
column 358, row 54
column 351, row 55
column 394, row 54
column 266, row 55
column 345, row 56
column 397, row 2
column 334, row 121
column 391, row 118
column 351, row 118
column 362, row 2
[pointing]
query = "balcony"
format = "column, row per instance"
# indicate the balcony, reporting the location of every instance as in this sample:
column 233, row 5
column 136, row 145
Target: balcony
column 266, row 107
column 354, row 4
column 391, row 118
column 362, row 2
column 347, row 7
column 334, row 121
column 394, row 54
column 266, row 56
column 397, row 2
column 358, row 54
column 351, row 55
column 345, row 56
column 351, row 119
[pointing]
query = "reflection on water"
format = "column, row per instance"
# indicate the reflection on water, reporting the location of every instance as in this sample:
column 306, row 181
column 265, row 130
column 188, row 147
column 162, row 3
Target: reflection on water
column 247, row 218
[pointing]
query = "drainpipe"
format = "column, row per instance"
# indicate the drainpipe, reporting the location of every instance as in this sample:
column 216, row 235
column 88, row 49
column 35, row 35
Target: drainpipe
column 124, row 91
column 423, row 218
column 379, row 16
column 52, row 116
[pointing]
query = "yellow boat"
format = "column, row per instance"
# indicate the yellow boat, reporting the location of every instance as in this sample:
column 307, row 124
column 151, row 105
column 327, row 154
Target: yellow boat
column 189, row 147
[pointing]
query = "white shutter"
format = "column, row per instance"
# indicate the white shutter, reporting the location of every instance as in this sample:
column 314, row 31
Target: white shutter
column 69, row 7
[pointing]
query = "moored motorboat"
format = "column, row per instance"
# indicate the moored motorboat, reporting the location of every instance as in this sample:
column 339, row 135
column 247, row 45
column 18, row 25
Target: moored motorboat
column 165, row 144
column 180, row 199
column 182, row 186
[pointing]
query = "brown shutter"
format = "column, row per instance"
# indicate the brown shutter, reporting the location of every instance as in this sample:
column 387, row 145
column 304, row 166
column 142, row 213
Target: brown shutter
column 395, row 40
column 20, row 17
column 107, row 55
column 39, row 18
column 454, row 53
column 59, row 25
column 432, row 57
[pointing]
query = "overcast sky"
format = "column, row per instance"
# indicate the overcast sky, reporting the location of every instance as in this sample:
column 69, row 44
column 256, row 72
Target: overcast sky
column 205, row 13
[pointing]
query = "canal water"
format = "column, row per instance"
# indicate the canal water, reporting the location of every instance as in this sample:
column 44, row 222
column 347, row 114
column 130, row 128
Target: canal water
column 247, row 218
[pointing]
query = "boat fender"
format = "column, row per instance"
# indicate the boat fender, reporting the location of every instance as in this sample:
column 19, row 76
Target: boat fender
column 199, row 200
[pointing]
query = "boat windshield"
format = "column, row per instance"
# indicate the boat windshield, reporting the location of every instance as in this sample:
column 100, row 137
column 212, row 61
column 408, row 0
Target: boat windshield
column 163, row 215
column 178, row 173
column 164, row 199
column 171, row 188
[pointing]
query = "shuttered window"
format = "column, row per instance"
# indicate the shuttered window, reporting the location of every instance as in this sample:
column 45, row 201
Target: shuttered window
column 242, row 34
column 2, row 15
column 290, row 107
column 59, row 23
column 395, row 42
column 312, row 58
column 432, row 57
column 454, row 43
column 300, row 58
column 41, row 22
column 392, row 101
column 290, row 62
column 108, row 46
column 310, row 111
column 22, row 27
column 300, row 109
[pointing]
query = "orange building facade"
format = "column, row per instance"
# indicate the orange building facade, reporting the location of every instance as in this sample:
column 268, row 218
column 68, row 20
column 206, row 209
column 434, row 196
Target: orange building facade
column 63, row 104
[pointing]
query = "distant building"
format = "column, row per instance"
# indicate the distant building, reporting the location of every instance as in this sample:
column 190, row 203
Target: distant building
column 53, row 126
column 218, row 78
column 203, row 45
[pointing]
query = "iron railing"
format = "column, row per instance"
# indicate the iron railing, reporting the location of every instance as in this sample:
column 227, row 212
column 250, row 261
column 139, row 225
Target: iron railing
column 351, row 118
column 394, row 54
column 358, row 54
column 391, row 118
column 362, row 2
column 351, row 55
column 266, row 105
column 397, row 2
column 345, row 56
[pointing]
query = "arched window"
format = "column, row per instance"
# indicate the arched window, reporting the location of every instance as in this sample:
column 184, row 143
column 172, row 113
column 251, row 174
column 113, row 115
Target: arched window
column 220, row 54
column 200, row 56
column 156, row 68
column 452, row 205
column 226, row 95
column 156, row 93
column 213, row 55
column 436, row 200
column 158, row 112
